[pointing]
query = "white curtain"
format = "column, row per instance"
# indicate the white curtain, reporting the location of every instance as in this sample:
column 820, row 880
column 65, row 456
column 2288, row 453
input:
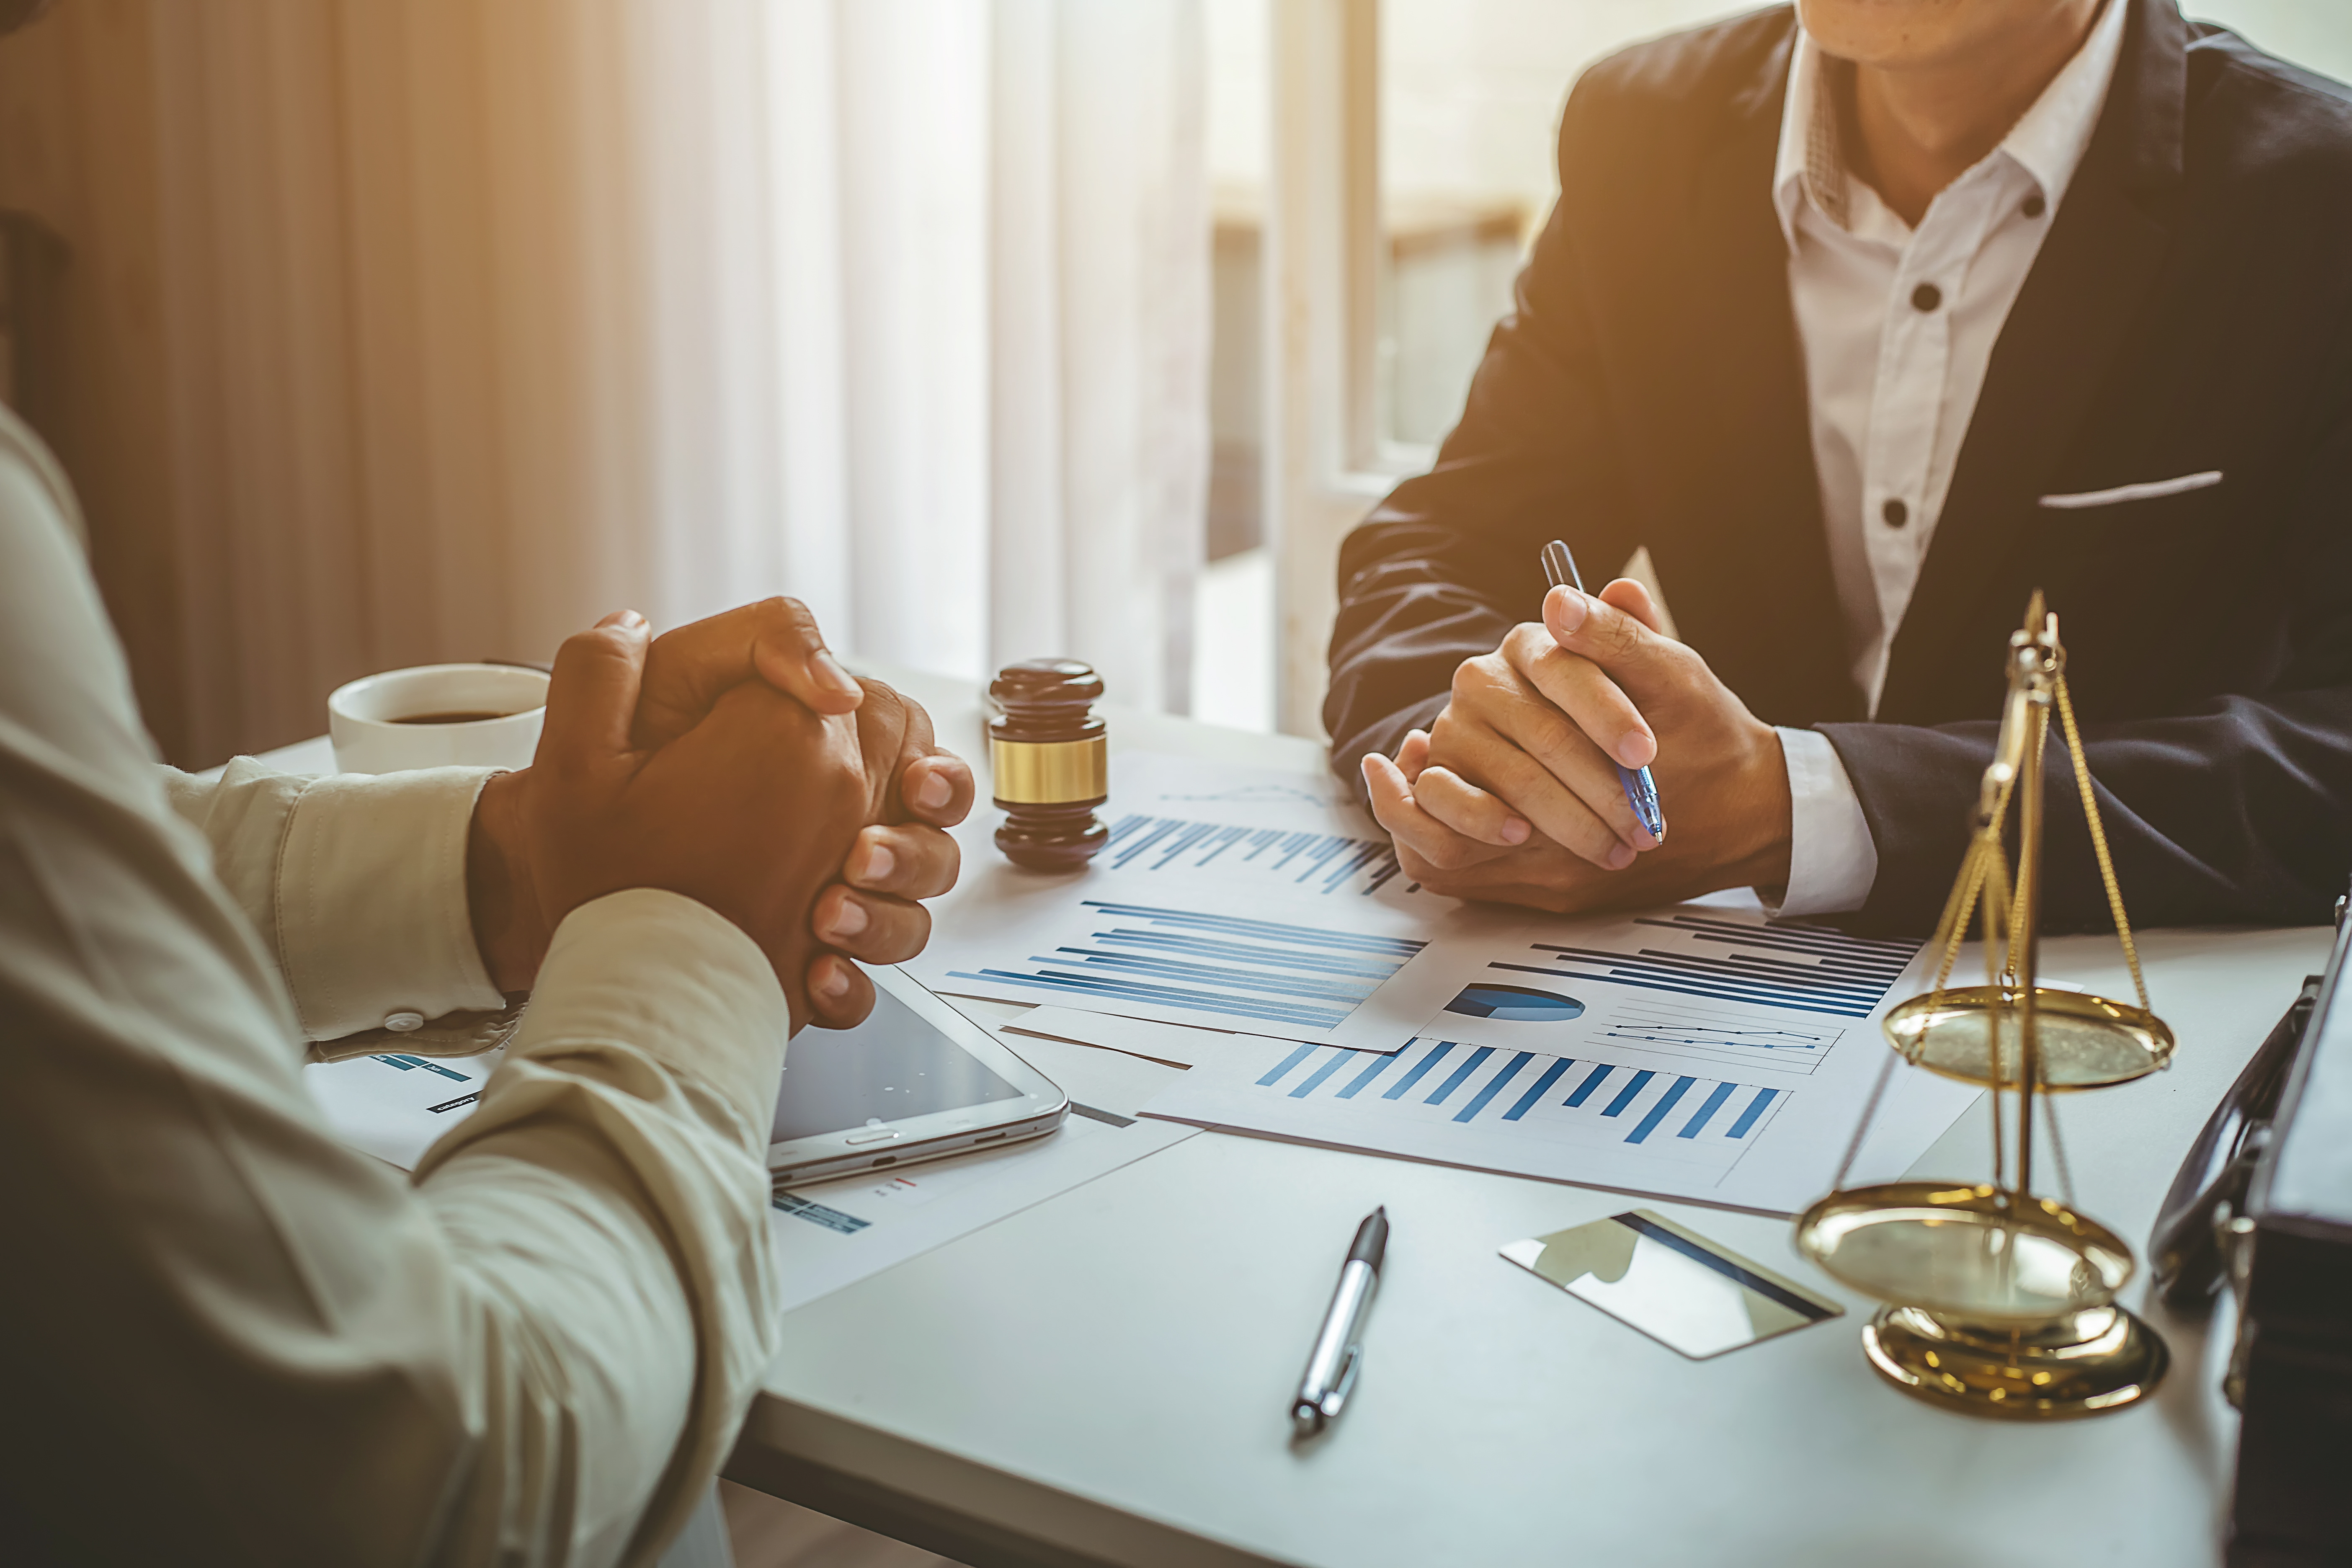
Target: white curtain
column 478, row 321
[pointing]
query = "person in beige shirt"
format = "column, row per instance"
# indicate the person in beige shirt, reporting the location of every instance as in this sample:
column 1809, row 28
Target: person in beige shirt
column 223, row 1336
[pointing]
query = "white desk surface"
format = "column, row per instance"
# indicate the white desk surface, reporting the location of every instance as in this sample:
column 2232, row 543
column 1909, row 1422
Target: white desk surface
column 1109, row 1374
column 1104, row 1377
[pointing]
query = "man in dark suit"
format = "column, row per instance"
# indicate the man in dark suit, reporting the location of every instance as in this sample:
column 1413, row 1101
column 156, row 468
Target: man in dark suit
column 1867, row 328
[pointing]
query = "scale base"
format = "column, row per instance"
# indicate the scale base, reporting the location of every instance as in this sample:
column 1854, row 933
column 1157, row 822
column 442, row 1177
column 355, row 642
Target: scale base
column 2085, row 1363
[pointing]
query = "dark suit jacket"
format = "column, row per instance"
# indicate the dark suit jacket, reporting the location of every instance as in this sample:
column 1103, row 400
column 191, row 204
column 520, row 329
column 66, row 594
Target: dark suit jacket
column 2190, row 309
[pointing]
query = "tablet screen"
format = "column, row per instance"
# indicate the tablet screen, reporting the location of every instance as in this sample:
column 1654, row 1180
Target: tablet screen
column 889, row 1068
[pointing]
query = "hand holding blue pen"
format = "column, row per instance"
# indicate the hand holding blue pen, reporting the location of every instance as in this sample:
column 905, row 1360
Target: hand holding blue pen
column 1641, row 789
column 1502, row 796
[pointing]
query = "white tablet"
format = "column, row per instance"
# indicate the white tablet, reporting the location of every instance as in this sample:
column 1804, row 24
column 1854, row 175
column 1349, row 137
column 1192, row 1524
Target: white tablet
column 918, row 1080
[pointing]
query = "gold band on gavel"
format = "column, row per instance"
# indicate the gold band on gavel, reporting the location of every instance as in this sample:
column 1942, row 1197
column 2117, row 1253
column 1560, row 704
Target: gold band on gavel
column 1050, row 773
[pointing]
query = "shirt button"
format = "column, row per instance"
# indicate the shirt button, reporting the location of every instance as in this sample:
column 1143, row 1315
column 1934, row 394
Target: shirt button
column 1895, row 513
column 2035, row 206
column 1926, row 296
column 404, row 1021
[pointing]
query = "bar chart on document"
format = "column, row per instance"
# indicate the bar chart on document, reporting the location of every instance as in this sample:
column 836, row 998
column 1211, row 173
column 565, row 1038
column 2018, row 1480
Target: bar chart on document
column 1699, row 1051
column 1692, row 1118
column 1323, row 860
column 1231, row 898
column 1193, row 965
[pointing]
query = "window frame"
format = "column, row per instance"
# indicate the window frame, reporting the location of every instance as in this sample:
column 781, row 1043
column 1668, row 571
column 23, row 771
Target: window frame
column 1324, row 264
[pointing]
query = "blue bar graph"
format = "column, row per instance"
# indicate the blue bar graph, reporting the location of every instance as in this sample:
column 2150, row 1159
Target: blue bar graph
column 1496, row 1087
column 1477, row 1059
column 1536, row 1090
column 1630, row 1092
column 1320, row 862
column 1658, row 1113
column 1404, row 1085
column 1292, row 1061
column 1314, row 1079
column 1380, row 1064
column 1755, row 1109
column 1593, row 1080
column 1714, row 1103
column 1268, row 972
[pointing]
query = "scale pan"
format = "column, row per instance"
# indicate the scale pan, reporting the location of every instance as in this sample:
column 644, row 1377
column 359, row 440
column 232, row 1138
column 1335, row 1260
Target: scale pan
column 1974, row 1254
column 2086, row 1042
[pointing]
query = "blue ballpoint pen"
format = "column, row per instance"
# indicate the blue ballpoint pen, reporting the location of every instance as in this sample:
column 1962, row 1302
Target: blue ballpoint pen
column 1641, row 789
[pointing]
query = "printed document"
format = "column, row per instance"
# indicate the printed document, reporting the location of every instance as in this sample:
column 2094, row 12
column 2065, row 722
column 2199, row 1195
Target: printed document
column 1233, row 899
column 1698, row 1051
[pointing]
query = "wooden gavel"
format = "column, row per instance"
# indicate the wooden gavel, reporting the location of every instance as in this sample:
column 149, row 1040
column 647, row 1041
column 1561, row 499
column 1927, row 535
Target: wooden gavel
column 1051, row 761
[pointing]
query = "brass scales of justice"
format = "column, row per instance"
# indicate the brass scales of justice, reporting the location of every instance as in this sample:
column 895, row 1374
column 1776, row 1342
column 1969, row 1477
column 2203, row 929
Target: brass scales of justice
column 1999, row 1301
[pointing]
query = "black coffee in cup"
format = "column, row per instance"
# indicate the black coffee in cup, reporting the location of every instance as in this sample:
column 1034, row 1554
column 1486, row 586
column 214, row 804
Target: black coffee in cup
column 456, row 716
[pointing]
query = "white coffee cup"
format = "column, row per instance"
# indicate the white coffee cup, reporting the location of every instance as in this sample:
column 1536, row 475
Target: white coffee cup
column 373, row 720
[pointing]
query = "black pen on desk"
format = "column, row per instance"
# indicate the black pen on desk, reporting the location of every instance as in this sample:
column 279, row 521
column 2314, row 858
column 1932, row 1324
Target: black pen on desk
column 1339, row 1351
column 1641, row 789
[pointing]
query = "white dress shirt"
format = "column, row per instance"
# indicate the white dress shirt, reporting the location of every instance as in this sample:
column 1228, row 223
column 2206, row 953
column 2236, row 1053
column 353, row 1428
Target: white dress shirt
column 1897, row 327
column 227, row 1337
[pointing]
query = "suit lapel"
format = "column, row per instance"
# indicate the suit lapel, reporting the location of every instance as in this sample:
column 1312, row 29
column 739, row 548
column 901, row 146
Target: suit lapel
column 2110, row 242
column 1752, row 433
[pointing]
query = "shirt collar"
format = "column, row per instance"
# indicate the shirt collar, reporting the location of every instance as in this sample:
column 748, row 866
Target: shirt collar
column 2047, row 141
column 1810, row 162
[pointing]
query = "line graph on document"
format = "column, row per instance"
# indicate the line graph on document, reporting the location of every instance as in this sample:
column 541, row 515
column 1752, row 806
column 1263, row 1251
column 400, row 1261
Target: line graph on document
column 1720, row 1034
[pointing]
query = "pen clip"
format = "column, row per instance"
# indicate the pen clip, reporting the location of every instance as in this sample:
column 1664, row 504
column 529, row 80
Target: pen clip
column 1337, row 1397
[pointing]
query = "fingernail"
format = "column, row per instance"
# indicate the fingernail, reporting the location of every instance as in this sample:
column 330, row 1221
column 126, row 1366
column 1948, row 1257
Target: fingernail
column 1572, row 610
column 826, row 670
column 1515, row 831
column 934, row 791
column 879, row 864
column 1619, row 857
column 627, row 620
column 1635, row 749
column 849, row 918
column 832, row 980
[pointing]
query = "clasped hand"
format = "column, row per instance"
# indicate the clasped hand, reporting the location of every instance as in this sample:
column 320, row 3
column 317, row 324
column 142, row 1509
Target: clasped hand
column 1513, row 794
column 735, row 762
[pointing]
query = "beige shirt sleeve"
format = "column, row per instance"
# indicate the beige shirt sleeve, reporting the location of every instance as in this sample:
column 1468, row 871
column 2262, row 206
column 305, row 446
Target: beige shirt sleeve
column 237, row 1340
column 356, row 885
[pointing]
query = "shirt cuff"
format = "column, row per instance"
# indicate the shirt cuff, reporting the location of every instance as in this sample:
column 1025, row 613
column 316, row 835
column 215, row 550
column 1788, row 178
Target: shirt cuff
column 663, row 975
column 372, row 918
column 1832, row 860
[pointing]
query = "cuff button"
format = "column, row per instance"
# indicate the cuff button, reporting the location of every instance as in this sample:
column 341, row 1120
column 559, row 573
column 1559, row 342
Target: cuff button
column 404, row 1021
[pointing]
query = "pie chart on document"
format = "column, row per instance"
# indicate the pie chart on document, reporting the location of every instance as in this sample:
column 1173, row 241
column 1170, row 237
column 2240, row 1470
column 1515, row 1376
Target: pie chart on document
column 1517, row 1002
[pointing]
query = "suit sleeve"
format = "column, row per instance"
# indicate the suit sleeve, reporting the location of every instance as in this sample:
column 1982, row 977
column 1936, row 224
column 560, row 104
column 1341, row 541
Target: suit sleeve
column 2238, row 807
column 1447, row 565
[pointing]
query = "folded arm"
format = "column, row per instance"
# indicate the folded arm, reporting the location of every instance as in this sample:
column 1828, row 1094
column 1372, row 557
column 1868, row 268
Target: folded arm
column 283, row 1349
column 411, row 892
column 538, row 1354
